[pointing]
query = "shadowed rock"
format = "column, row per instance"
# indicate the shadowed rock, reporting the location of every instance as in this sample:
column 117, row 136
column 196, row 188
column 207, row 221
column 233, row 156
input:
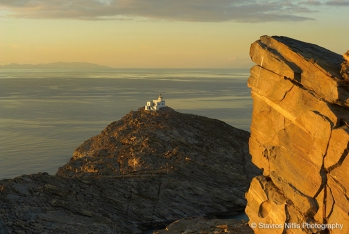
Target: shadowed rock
column 202, row 225
column 146, row 170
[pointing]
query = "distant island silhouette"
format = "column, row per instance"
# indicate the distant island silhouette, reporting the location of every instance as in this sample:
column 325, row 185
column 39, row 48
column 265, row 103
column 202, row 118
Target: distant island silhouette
column 57, row 65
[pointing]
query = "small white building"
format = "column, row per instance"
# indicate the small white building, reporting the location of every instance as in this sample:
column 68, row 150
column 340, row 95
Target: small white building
column 155, row 104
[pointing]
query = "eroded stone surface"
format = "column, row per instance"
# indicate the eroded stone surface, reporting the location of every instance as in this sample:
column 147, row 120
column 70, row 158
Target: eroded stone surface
column 299, row 134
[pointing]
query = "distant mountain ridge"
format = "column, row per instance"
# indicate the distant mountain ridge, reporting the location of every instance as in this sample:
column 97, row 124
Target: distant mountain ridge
column 57, row 65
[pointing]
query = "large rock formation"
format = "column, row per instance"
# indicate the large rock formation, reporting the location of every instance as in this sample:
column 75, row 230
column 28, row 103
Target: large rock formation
column 299, row 137
column 145, row 170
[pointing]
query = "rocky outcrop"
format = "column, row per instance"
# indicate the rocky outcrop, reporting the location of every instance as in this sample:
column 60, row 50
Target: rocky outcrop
column 163, row 141
column 144, row 171
column 299, row 137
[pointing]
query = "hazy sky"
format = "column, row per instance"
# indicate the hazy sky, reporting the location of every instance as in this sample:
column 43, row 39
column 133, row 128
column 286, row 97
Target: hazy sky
column 162, row 33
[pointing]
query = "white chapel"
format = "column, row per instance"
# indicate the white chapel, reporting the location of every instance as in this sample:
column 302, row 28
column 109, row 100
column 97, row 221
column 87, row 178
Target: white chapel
column 155, row 104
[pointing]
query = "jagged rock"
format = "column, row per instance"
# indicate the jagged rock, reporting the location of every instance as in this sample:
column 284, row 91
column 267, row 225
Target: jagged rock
column 146, row 170
column 299, row 135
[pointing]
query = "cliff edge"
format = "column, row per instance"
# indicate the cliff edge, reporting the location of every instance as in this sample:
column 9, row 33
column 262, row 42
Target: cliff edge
column 299, row 137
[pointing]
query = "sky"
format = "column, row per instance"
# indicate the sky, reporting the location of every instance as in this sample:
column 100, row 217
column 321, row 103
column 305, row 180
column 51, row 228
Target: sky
column 162, row 33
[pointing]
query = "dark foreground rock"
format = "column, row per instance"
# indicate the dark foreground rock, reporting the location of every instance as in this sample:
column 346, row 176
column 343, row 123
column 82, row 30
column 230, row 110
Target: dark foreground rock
column 144, row 171
column 206, row 226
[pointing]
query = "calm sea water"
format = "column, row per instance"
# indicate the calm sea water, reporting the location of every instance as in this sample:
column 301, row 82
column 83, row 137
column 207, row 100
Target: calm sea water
column 46, row 114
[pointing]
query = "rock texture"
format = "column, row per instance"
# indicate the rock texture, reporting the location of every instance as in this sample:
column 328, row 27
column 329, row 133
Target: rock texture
column 299, row 136
column 146, row 170
column 202, row 225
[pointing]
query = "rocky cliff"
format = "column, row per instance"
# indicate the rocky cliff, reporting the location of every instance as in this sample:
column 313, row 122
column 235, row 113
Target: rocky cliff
column 299, row 137
column 145, row 170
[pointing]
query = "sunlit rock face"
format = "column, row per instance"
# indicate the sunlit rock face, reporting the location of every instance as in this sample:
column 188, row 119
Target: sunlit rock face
column 299, row 137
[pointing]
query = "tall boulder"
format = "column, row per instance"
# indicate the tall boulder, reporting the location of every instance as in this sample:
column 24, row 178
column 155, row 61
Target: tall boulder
column 299, row 137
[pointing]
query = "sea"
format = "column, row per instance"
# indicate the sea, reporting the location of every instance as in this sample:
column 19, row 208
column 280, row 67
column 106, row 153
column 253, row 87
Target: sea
column 46, row 114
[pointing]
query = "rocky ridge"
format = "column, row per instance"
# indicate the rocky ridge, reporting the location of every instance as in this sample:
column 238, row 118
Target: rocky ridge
column 144, row 171
column 299, row 136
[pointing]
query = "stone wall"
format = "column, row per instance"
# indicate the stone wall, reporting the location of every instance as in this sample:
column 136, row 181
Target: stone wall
column 299, row 137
